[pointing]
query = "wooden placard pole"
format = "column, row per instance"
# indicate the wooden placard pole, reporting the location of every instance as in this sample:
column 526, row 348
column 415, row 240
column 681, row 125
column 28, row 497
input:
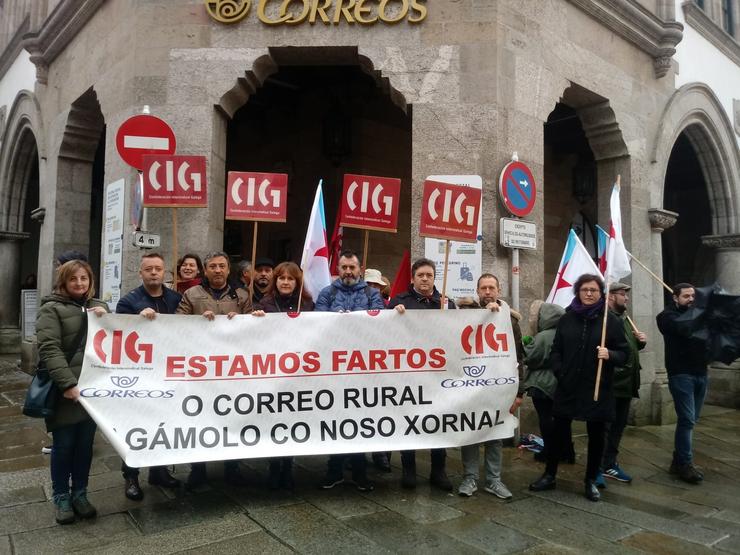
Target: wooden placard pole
column 254, row 261
column 364, row 251
column 174, row 249
column 634, row 327
column 603, row 342
column 443, row 299
column 663, row 283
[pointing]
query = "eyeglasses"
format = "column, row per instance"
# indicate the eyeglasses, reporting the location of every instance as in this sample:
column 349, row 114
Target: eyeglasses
column 589, row 291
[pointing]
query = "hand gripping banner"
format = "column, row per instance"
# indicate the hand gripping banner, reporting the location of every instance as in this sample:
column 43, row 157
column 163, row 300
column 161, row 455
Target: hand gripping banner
column 182, row 389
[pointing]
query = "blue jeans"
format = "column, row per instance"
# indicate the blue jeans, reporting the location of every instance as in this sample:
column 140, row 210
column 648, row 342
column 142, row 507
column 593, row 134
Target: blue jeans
column 688, row 391
column 71, row 457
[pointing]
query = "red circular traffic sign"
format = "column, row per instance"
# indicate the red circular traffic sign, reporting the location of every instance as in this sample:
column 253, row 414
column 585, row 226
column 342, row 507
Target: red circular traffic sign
column 141, row 135
column 517, row 189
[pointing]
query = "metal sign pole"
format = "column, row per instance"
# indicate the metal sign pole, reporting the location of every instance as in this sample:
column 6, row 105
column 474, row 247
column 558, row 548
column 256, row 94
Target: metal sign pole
column 515, row 279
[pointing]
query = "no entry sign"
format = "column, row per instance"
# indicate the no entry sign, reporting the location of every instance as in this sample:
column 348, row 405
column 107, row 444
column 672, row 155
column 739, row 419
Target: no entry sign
column 175, row 181
column 144, row 135
column 259, row 197
column 370, row 202
column 450, row 212
column 517, row 189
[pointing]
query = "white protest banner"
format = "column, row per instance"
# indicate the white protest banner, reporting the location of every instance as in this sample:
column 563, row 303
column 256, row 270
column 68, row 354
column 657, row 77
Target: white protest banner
column 181, row 388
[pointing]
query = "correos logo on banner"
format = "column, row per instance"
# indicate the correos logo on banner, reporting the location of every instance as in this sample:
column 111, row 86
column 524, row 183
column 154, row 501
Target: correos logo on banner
column 328, row 12
column 111, row 351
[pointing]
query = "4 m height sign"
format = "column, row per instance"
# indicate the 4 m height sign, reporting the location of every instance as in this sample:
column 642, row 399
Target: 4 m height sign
column 370, row 202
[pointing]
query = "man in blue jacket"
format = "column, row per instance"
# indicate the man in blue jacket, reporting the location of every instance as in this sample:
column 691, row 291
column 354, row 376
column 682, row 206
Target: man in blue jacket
column 148, row 300
column 349, row 293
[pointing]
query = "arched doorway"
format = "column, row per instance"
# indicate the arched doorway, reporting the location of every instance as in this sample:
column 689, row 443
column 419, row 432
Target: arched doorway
column 319, row 116
column 685, row 257
column 19, row 229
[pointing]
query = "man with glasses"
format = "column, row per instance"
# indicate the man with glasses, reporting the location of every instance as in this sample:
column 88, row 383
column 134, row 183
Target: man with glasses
column 686, row 361
column 626, row 383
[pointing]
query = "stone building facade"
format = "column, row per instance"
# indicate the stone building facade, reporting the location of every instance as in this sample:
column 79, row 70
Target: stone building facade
column 582, row 90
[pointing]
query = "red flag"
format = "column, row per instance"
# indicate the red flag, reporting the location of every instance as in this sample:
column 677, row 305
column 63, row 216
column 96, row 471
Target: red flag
column 403, row 276
column 335, row 245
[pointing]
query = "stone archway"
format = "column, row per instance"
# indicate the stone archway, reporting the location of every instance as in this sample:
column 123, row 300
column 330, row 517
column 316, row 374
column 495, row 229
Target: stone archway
column 20, row 158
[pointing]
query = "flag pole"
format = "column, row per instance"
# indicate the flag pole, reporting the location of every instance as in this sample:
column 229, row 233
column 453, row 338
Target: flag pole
column 443, row 300
column 634, row 327
column 364, row 251
column 663, row 283
column 300, row 293
column 254, row 261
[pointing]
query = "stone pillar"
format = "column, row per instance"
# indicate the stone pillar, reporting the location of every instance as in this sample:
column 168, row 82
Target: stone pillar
column 10, row 284
column 727, row 260
column 662, row 401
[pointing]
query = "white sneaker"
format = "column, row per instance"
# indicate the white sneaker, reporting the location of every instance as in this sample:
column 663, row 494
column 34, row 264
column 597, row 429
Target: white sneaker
column 497, row 488
column 468, row 487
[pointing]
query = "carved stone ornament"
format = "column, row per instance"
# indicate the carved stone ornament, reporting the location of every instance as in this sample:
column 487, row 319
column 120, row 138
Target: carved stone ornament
column 661, row 219
column 729, row 241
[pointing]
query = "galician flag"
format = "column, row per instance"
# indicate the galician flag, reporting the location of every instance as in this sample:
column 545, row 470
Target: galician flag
column 602, row 241
column 315, row 260
column 575, row 262
column 617, row 259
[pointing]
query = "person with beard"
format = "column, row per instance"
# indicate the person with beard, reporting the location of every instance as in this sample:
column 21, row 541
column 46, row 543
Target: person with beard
column 626, row 383
column 488, row 290
column 574, row 357
column 421, row 295
column 348, row 293
column 282, row 296
column 189, row 272
column 263, row 270
column 686, row 361
column 214, row 296
column 148, row 300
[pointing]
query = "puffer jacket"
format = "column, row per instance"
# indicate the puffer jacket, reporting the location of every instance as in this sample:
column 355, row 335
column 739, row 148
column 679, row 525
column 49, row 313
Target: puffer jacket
column 201, row 298
column 540, row 380
column 339, row 297
column 57, row 326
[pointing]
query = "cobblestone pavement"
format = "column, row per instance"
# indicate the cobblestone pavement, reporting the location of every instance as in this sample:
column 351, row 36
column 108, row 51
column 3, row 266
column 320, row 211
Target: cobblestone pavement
column 654, row 514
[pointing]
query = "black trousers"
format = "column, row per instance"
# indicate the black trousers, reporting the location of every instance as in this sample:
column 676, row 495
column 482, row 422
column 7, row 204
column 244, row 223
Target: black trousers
column 131, row 472
column 359, row 465
column 438, row 456
column 561, row 435
column 614, row 431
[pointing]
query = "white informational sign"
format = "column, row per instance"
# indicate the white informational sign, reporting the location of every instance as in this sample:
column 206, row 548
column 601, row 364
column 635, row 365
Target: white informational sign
column 146, row 240
column 112, row 259
column 29, row 308
column 465, row 263
column 518, row 234
column 298, row 384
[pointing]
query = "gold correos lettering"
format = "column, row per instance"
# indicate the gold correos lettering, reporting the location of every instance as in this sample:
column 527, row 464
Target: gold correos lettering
column 401, row 15
column 361, row 10
column 421, row 9
column 321, row 10
column 263, row 16
column 340, row 11
column 291, row 18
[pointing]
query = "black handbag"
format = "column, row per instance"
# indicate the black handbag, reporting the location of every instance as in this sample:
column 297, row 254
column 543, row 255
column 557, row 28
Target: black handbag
column 42, row 394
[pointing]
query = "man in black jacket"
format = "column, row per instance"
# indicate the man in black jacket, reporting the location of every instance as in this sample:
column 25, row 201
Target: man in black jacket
column 422, row 294
column 686, row 364
column 148, row 300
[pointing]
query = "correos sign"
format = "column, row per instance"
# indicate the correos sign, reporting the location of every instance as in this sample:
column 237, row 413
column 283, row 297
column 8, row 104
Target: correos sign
column 328, row 12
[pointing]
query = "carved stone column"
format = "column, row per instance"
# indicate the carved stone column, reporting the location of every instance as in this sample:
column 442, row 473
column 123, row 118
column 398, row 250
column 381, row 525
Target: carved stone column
column 727, row 259
column 10, row 286
column 662, row 401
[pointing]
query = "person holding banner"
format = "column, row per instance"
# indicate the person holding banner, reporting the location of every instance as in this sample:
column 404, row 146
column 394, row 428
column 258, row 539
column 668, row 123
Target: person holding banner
column 282, row 295
column 61, row 330
column 576, row 351
column 422, row 294
column 488, row 290
column 348, row 293
column 148, row 300
column 189, row 272
column 214, row 296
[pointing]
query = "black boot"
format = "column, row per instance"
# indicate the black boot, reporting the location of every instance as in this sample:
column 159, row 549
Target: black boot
column 545, row 482
column 438, row 477
column 133, row 489
column 381, row 462
column 159, row 476
column 591, row 491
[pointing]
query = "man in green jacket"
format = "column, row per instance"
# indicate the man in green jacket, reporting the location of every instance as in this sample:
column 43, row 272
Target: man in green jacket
column 626, row 383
